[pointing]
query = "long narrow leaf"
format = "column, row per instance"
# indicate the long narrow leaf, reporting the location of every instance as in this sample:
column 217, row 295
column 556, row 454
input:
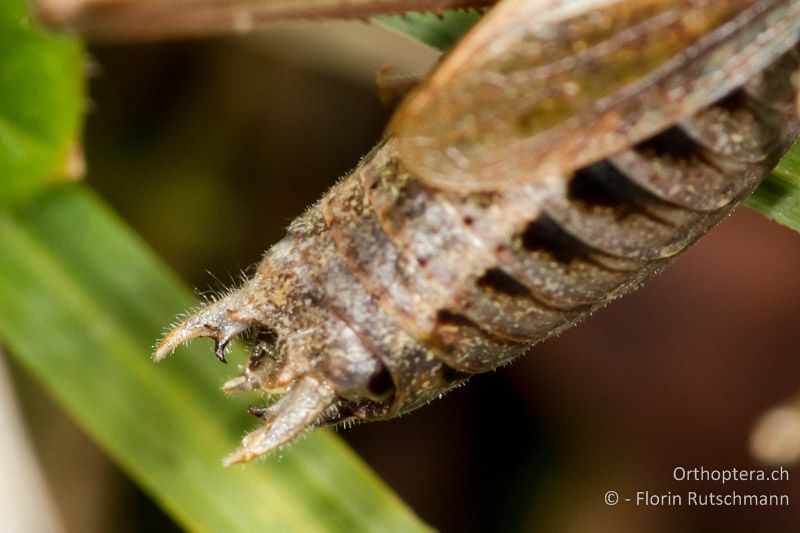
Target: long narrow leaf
column 82, row 302
column 439, row 31
column 778, row 197
column 132, row 20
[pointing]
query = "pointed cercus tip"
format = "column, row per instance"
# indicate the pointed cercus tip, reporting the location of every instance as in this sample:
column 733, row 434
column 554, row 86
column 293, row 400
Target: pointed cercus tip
column 286, row 420
column 218, row 320
column 178, row 336
column 237, row 458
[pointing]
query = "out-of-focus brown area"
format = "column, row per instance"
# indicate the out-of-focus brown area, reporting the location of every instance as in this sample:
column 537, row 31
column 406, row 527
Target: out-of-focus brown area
column 210, row 148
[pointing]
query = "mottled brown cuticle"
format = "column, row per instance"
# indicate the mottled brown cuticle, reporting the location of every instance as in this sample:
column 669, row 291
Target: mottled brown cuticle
column 400, row 284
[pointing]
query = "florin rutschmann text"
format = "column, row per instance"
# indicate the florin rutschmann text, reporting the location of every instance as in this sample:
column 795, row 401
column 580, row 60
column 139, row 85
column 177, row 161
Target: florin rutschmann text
column 703, row 498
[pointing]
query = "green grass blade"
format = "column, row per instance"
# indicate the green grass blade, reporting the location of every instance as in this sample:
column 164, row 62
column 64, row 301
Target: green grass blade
column 82, row 303
column 439, row 31
column 41, row 98
column 778, row 197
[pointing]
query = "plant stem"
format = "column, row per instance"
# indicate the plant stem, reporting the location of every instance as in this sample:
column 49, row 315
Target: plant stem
column 144, row 20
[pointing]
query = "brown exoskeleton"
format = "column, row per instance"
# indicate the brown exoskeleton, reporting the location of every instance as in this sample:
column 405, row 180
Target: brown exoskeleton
column 564, row 152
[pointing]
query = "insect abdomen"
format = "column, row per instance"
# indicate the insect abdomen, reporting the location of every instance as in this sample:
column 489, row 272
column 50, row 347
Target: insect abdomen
column 389, row 292
column 476, row 275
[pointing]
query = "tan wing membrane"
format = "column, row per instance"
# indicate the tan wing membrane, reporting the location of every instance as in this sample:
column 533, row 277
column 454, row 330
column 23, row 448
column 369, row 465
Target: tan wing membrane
column 541, row 88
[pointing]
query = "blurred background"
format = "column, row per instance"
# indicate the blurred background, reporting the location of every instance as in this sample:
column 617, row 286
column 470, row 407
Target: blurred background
column 208, row 148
